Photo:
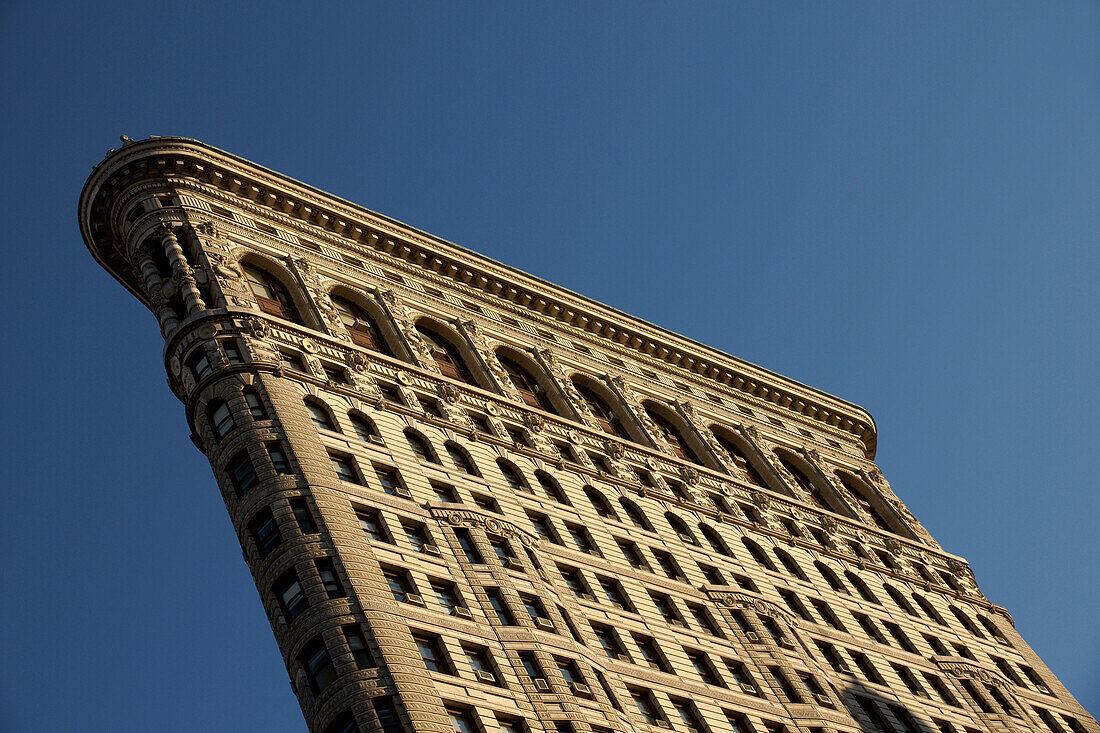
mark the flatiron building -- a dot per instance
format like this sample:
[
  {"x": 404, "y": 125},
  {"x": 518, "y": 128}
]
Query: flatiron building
[{"x": 472, "y": 500}]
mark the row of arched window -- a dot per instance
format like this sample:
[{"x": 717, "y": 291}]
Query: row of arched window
[{"x": 538, "y": 390}]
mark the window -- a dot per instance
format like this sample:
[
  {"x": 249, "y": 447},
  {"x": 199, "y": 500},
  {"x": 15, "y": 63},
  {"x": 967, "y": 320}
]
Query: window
[
  {"x": 534, "y": 671},
  {"x": 221, "y": 419},
  {"x": 900, "y": 637},
  {"x": 255, "y": 405},
  {"x": 648, "y": 647},
  {"x": 611, "y": 698},
  {"x": 606, "y": 418},
  {"x": 930, "y": 610},
  {"x": 320, "y": 417},
  {"x": 199, "y": 363},
  {"x": 745, "y": 582},
  {"x": 530, "y": 391},
  {"x": 667, "y": 608},
  {"x": 647, "y": 705},
  {"x": 288, "y": 591},
  {"x": 570, "y": 671},
  {"x": 543, "y": 527},
  {"x": 830, "y": 577},
  {"x": 537, "y": 612},
  {"x": 869, "y": 672},
  {"x": 242, "y": 474},
  {"x": 345, "y": 723},
  {"x": 551, "y": 487},
  {"x": 741, "y": 675},
  {"x": 632, "y": 554},
  {"x": 446, "y": 355},
  {"x": 600, "y": 503},
  {"x": 344, "y": 465},
  {"x": 446, "y": 593},
  {"x": 482, "y": 665},
  {"x": 514, "y": 478},
  {"x": 714, "y": 575},
  {"x": 635, "y": 515},
  {"x": 869, "y": 628},
  {"x": 703, "y": 667},
  {"x": 738, "y": 722},
  {"x": 704, "y": 619},
  {"x": 689, "y": 714},
  {"x": 791, "y": 566},
  {"x": 748, "y": 473},
  {"x": 390, "y": 481},
  {"x": 861, "y": 587},
  {"x": 872, "y": 713},
  {"x": 774, "y": 631},
  {"x": 832, "y": 656},
  {"x": 581, "y": 539},
  {"x": 809, "y": 488},
  {"x": 317, "y": 664},
  {"x": 500, "y": 608},
  {"x": 361, "y": 327},
  {"x": 826, "y": 613},
  {"x": 758, "y": 554},
  {"x": 466, "y": 544},
  {"x": 431, "y": 651},
  {"x": 487, "y": 503},
  {"x": 417, "y": 535},
  {"x": 357, "y": 643},
  {"x": 1007, "y": 670},
  {"x": 668, "y": 564},
  {"x": 420, "y": 447},
  {"x": 504, "y": 552},
  {"x": 431, "y": 407},
  {"x": 610, "y": 642},
  {"x": 271, "y": 295},
  {"x": 966, "y": 622},
  {"x": 364, "y": 429},
  {"x": 680, "y": 528},
  {"x": 715, "y": 540},
  {"x": 574, "y": 582},
  {"x": 866, "y": 499},
  {"x": 445, "y": 492},
  {"x": 302, "y": 514},
  {"x": 278, "y": 458},
  {"x": 372, "y": 525},
  {"x": 401, "y": 585},
  {"x": 936, "y": 644},
  {"x": 672, "y": 436},
  {"x": 613, "y": 591},
  {"x": 786, "y": 689},
  {"x": 265, "y": 531},
  {"x": 511, "y": 725},
  {"x": 909, "y": 680}
]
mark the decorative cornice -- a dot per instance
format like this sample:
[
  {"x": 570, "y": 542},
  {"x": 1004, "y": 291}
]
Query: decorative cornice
[{"x": 362, "y": 232}]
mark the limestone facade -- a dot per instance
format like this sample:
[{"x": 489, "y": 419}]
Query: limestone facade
[{"x": 472, "y": 500}]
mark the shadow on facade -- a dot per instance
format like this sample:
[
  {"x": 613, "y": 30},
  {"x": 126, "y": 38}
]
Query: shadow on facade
[{"x": 877, "y": 713}]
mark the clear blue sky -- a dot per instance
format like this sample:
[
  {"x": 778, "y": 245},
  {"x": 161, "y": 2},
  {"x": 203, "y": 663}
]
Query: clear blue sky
[{"x": 894, "y": 202}]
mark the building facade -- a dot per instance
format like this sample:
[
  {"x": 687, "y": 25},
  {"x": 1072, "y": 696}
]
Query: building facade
[{"x": 474, "y": 501}]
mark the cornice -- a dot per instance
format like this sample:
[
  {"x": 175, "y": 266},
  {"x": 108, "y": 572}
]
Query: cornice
[{"x": 361, "y": 231}]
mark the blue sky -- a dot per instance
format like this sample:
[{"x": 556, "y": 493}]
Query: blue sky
[{"x": 893, "y": 202}]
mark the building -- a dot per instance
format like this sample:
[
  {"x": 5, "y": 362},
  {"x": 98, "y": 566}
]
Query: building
[{"x": 472, "y": 500}]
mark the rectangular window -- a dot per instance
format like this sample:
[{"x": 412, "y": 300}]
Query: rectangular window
[
  {"x": 742, "y": 677},
  {"x": 610, "y": 642},
  {"x": 292, "y": 600},
  {"x": 689, "y": 715},
  {"x": 390, "y": 481},
  {"x": 331, "y": 581},
  {"x": 784, "y": 685},
  {"x": 704, "y": 619},
  {"x": 431, "y": 651},
  {"x": 400, "y": 585},
  {"x": 613, "y": 591},
  {"x": 703, "y": 667},
  {"x": 446, "y": 593},
  {"x": 466, "y": 544},
  {"x": 632, "y": 554},
  {"x": 242, "y": 474},
  {"x": 648, "y": 647},
  {"x": 581, "y": 539},
  {"x": 360, "y": 652},
  {"x": 500, "y": 607},
  {"x": 265, "y": 532},
  {"x": 537, "y": 612},
  {"x": 388, "y": 719},
  {"x": 668, "y": 564},
  {"x": 317, "y": 664},
  {"x": 543, "y": 527},
  {"x": 303, "y": 516},
  {"x": 417, "y": 534},
  {"x": 445, "y": 492},
  {"x": 278, "y": 458},
  {"x": 372, "y": 525},
  {"x": 534, "y": 671},
  {"x": 344, "y": 466},
  {"x": 647, "y": 706},
  {"x": 482, "y": 665}
]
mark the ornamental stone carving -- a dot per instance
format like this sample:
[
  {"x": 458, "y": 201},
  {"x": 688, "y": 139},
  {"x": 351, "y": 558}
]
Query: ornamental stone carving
[
  {"x": 258, "y": 327},
  {"x": 535, "y": 423},
  {"x": 448, "y": 392},
  {"x": 735, "y": 600},
  {"x": 615, "y": 450},
  {"x": 491, "y": 525}
]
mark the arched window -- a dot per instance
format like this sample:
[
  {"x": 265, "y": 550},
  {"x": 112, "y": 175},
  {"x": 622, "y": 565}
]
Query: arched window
[
  {"x": 530, "y": 391},
  {"x": 636, "y": 516},
  {"x": 758, "y": 554},
  {"x": 748, "y": 471},
  {"x": 995, "y": 632},
  {"x": 221, "y": 419},
  {"x": 924, "y": 572},
  {"x": 600, "y": 409},
  {"x": 804, "y": 482},
  {"x": 600, "y": 503},
  {"x": 551, "y": 487},
  {"x": 255, "y": 404},
  {"x": 461, "y": 458},
  {"x": 361, "y": 327},
  {"x": 791, "y": 566},
  {"x": 967, "y": 623},
  {"x": 899, "y": 599},
  {"x": 951, "y": 581},
  {"x": 446, "y": 355},
  {"x": 929, "y": 609},
  {"x": 680, "y": 528},
  {"x": 420, "y": 447},
  {"x": 830, "y": 577},
  {"x": 320, "y": 417},
  {"x": 672, "y": 436},
  {"x": 861, "y": 587},
  {"x": 863, "y": 495},
  {"x": 514, "y": 478},
  {"x": 271, "y": 295},
  {"x": 715, "y": 540},
  {"x": 364, "y": 428}
]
